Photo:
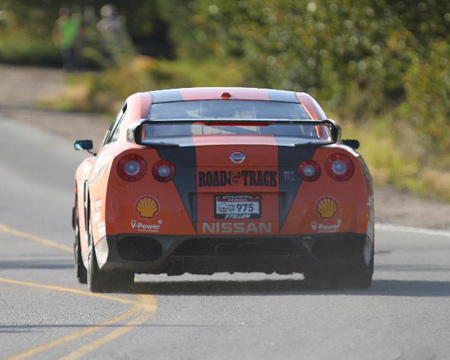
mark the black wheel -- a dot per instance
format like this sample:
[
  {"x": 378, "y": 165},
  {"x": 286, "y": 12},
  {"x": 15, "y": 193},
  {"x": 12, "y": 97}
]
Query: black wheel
[
  {"x": 95, "y": 281},
  {"x": 80, "y": 269},
  {"x": 361, "y": 279},
  {"x": 341, "y": 279},
  {"x": 102, "y": 281}
]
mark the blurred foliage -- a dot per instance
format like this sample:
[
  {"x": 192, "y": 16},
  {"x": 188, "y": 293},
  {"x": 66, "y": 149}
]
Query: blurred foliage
[
  {"x": 39, "y": 16},
  {"x": 335, "y": 50},
  {"x": 105, "y": 92},
  {"x": 381, "y": 66},
  {"x": 392, "y": 159},
  {"x": 427, "y": 105},
  {"x": 36, "y": 19},
  {"x": 24, "y": 50},
  {"x": 20, "y": 44}
]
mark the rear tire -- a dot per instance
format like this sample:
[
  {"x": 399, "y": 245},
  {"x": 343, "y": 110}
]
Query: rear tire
[
  {"x": 80, "y": 269},
  {"x": 102, "y": 281},
  {"x": 342, "y": 279},
  {"x": 362, "y": 279},
  {"x": 95, "y": 281}
]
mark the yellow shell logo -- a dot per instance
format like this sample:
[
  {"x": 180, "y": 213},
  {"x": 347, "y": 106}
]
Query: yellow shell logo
[
  {"x": 147, "y": 207},
  {"x": 327, "y": 207}
]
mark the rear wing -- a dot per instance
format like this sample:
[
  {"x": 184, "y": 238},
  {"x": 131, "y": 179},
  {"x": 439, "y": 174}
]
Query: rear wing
[{"x": 135, "y": 131}]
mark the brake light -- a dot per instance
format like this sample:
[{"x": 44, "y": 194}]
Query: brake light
[
  {"x": 225, "y": 95},
  {"x": 309, "y": 170},
  {"x": 163, "y": 171},
  {"x": 340, "y": 167},
  {"x": 132, "y": 167}
]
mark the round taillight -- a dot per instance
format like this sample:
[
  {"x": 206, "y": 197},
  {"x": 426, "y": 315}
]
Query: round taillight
[
  {"x": 309, "y": 170},
  {"x": 340, "y": 167},
  {"x": 132, "y": 167},
  {"x": 163, "y": 171}
]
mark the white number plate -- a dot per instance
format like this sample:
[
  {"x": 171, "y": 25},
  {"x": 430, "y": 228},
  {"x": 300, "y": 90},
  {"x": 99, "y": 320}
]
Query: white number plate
[{"x": 237, "y": 207}]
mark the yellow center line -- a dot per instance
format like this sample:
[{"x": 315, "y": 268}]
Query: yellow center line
[
  {"x": 23, "y": 235},
  {"x": 148, "y": 305},
  {"x": 68, "y": 290},
  {"x": 52, "y": 344}
]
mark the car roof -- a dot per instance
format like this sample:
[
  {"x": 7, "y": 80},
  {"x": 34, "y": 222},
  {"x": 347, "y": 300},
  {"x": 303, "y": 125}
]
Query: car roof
[{"x": 217, "y": 93}]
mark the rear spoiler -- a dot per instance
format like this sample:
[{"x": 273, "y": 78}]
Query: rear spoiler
[{"x": 134, "y": 132}]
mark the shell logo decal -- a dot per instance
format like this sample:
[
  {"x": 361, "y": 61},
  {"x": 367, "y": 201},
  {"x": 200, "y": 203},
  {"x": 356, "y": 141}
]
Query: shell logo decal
[
  {"x": 327, "y": 207},
  {"x": 147, "y": 207}
]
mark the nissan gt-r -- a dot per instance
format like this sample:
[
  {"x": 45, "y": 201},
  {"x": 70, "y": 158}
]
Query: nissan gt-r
[{"x": 206, "y": 180}]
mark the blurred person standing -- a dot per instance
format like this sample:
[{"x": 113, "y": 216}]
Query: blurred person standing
[
  {"x": 90, "y": 26},
  {"x": 89, "y": 40},
  {"x": 115, "y": 41},
  {"x": 65, "y": 35}
]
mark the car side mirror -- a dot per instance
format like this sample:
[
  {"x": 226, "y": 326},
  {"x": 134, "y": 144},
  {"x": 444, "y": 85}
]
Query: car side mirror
[
  {"x": 353, "y": 143},
  {"x": 84, "y": 145}
]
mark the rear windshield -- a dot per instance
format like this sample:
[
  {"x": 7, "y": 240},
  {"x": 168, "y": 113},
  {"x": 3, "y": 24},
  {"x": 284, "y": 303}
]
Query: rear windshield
[
  {"x": 286, "y": 130},
  {"x": 227, "y": 109}
]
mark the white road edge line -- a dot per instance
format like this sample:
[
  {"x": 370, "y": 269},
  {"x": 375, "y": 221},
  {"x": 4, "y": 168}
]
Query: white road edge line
[{"x": 411, "y": 230}]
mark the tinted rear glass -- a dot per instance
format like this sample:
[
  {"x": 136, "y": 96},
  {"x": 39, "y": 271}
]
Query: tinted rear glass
[
  {"x": 227, "y": 109},
  {"x": 291, "y": 132}
]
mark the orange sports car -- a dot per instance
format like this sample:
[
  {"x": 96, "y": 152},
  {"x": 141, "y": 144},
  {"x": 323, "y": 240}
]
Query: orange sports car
[{"x": 205, "y": 180}]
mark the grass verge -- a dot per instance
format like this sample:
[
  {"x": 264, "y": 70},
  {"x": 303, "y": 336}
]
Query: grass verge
[{"x": 394, "y": 157}]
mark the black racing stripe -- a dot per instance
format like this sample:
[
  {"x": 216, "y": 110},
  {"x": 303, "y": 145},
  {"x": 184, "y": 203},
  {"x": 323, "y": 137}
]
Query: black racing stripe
[
  {"x": 288, "y": 160},
  {"x": 185, "y": 161},
  {"x": 162, "y": 96},
  {"x": 283, "y": 95}
]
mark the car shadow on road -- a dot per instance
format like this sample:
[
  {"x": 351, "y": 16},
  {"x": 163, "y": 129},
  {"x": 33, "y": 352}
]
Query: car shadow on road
[{"x": 269, "y": 287}]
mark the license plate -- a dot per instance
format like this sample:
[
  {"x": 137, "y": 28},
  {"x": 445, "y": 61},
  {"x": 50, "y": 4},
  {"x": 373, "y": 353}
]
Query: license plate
[{"x": 237, "y": 207}]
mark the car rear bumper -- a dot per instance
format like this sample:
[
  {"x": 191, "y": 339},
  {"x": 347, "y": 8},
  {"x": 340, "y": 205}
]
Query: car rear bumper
[{"x": 175, "y": 255}]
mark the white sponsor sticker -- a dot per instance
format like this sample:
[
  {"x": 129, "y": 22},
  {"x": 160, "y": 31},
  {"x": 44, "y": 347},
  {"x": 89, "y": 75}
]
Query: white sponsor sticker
[
  {"x": 237, "y": 227},
  {"x": 143, "y": 227},
  {"x": 101, "y": 229},
  {"x": 326, "y": 228},
  {"x": 96, "y": 217},
  {"x": 98, "y": 205}
]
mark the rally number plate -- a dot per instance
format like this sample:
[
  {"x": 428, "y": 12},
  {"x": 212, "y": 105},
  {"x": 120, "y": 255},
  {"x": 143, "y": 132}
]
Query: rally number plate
[{"x": 237, "y": 207}]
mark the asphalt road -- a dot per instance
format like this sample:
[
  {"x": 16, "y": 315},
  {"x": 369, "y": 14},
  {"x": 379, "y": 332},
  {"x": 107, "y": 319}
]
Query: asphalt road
[{"x": 46, "y": 314}]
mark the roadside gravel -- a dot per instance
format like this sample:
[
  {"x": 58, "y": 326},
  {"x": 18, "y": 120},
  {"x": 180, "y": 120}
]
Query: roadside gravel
[{"x": 21, "y": 88}]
